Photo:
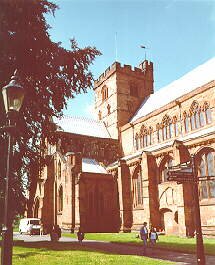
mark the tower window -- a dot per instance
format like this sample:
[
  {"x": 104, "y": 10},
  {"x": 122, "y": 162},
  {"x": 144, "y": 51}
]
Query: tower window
[
  {"x": 100, "y": 115},
  {"x": 108, "y": 108},
  {"x": 104, "y": 93}
]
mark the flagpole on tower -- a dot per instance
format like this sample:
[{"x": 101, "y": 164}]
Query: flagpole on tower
[{"x": 144, "y": 47}]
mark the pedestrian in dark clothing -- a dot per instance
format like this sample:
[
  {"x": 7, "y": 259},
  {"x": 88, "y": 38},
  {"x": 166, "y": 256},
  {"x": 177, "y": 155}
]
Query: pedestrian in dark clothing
[
  {"x": 55, "y": 233},
  {"x": 80, "y": 235},
  {"x": 144, "y": 235}
]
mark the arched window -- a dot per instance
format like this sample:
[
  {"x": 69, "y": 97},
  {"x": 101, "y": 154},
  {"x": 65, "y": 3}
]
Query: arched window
[
  {"x": 202, "y": 117},
  {"x": 150, "y": 135},
  {"x": 100, "y": 115},
  {"x": 108, "y": 109},
  {"x": 163, "y": 170},
  {"x": 143, "y": 137},
  {"x": 141, "y": 140},
  {"x": 59, "y": 169},
  {"x": 137, "y": 141},
  {"x": 175, "y": 126},
  {"x": 158, "y": 132},
  {"x": 195, "y": 115},
  {"x": 207, "y": 168},
  {"x": 186, "y": 122},
  {"x": 137, "y": 188},
  {"x": 60, "y": 199},
  {"x": 166, "y": 127},
  {"x": 104, "y": 93},
  {"x": 208, "y": 114}
]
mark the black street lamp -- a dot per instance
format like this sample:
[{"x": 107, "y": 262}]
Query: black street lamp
[{"x": 13, "y": 95}]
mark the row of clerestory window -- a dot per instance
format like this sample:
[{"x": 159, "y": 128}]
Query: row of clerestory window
[{"x": 195, "y": 118}]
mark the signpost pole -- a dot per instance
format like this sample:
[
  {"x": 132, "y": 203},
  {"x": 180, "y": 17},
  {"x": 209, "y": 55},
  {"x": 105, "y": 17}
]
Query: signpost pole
[{"x": 199, "y": 240}]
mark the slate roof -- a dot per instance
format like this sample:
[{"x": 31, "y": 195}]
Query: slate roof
[
  {"x": 92, "y": 166},
  {"x": 82, "y": 126},
  {"x": 198, "y": 77}
]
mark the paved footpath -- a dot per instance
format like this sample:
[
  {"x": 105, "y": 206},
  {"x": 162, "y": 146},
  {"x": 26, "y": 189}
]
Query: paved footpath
[{"x": 113, "y": 248}]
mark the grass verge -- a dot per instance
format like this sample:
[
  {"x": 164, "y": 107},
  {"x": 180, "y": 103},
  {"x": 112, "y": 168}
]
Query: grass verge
[
  {"x": 174, "y": 243},
  {"x": 31, "y": 256}
]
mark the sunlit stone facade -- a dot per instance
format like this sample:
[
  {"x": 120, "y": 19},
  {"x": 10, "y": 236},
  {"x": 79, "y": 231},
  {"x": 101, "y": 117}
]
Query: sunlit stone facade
[{"x": 148, "y": 132}]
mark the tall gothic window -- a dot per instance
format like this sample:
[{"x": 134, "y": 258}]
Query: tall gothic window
[
  {"x": 175, "y": 126},
  {"x": 144, "y": 136},
  {"x": 186, "y": 122},
  {"x": 163, "y": 170},
  {"x": 208, "y": 114},
  {"x": 100, "y": 115},
  {"x": 60, "y": 199},
  {"x": 141, "y": 140},
  {"x": 166, "y": 128},
  {"x": 195, "y": 115},
  {"x": 150, "y": 135},
  {"x": 108, "y": 109},
  {"x": 207, "y": 168},
  {"x": 59, "y": 169},
  {"x": 202, "y": 117},
  {"x": 137, "y": 141},
  {"x": 104, "y": 93},
  {"x": 137, "y": 189},
  {"x": 158, "y": 132}
]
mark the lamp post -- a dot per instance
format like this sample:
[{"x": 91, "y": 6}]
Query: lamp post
[{"x": 13, "y": 95}]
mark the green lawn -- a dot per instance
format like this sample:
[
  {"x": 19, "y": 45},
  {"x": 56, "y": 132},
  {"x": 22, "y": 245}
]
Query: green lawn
[
  {"x": 175, "y": 243},
  {"x": 31, "y": 256}
]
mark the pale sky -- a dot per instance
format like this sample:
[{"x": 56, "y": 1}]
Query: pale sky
[{"x": 180, "y": 35}]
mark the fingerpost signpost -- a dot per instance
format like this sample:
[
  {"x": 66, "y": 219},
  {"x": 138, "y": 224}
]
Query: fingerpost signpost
[{"x": 186, "y": 173}]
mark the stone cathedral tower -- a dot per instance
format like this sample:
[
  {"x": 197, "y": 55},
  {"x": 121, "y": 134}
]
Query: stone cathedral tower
[{"x": 119, "y": 92}]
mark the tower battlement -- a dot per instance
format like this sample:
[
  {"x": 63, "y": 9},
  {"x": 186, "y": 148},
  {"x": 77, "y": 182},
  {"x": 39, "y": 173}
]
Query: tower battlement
[{"x": 144, "y": 69}]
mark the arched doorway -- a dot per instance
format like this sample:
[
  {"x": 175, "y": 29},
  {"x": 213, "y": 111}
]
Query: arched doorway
[{"x": 169, "y": 220}]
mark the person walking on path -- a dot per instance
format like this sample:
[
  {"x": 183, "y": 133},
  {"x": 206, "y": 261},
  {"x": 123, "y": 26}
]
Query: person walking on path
[
  {"x": 80, "y": 235},
  {"x": 144, "y": 236},
  {"x": 55, "y": 233},
  {"x": 153, "y": 236}
]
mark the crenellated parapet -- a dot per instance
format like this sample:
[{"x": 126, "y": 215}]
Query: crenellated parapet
[{"x": 144, "y": 71}]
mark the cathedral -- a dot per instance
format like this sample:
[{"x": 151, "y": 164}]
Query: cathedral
[{"x": 110, "y": 174}]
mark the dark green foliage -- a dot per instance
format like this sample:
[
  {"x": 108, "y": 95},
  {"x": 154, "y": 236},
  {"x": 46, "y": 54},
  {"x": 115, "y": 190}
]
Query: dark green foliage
[{"x": 50, "y": 75}]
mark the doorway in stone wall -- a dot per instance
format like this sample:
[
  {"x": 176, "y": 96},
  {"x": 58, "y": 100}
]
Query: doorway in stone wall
[{"x": 169, "y": 221}]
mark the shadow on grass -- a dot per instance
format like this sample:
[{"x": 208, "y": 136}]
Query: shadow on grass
[
  {"x": 27, "y": 254},
  {"x": 102, "y": 247}
]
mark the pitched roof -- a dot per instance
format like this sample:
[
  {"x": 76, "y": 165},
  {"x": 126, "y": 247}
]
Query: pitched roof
[
  {"x": 92, "y": 166},
  {"x": 198, "y": 77},
  {"x": 82, "y": 126}
]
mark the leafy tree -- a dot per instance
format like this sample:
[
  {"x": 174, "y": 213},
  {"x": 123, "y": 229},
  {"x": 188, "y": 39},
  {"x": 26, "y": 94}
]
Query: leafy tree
[{"x": 50, "y": 75}]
